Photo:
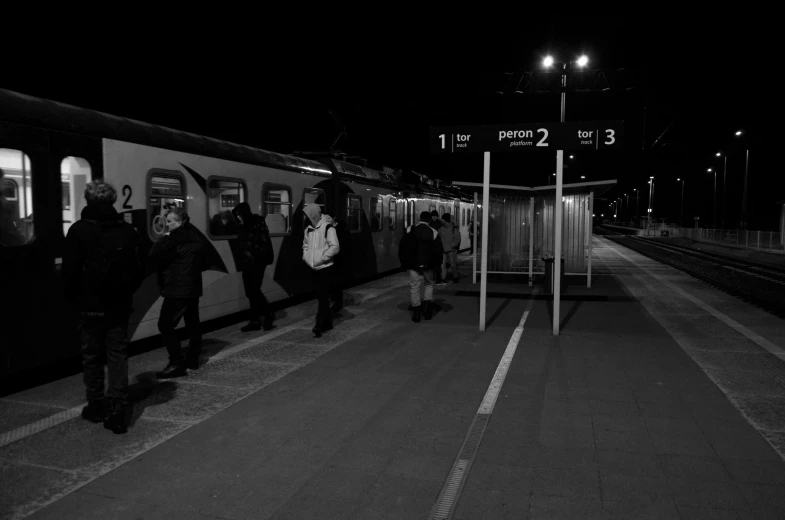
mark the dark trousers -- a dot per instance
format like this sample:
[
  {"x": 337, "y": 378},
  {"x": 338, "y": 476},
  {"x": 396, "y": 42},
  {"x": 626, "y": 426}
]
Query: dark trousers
[
  {"x": 252, "y": 283},
  {"x": 322, "y": 283},
  {"x": 105, "y": 338},
  {"x": 172, "y": 311}
]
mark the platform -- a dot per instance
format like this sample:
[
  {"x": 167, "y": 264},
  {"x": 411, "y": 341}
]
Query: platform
[{"x": 662, "y": 398}]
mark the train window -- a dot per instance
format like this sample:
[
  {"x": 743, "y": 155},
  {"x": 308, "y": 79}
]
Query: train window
[
  {"x": 223, "y": 195},
  {"x": 442, "y": 211},
  {"x": 432, "y": 208},
  {"x": 354, "y": 212},
  {"x": 392, "y": 214},
  {"x": 314, "y": 196},
  {"x": 375, "y": 206},
  {"x": 277, "y": 208},
  {"x": 75, "y": 173},
  {"x": 16, "y": 205},
  {"x": 166, "y": 190}
]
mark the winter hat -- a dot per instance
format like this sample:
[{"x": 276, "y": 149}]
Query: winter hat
[{"x": 314, "y": 213}]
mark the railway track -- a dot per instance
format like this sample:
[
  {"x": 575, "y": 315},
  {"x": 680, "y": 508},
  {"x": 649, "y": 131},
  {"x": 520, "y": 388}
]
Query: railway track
[{"x": 761, "y": 285}]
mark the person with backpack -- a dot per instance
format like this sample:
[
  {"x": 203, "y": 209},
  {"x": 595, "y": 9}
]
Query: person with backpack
[
  {"x": 255, "y": 252},
  {"x": 450, "y": 236},
  {"x": 320, "y": 245},
  {"x": 180, "y": 256},
  {"x": 342, "y": 262},
  {"x": 101, "y": 271},
  {"x": 420, "y": 253}
]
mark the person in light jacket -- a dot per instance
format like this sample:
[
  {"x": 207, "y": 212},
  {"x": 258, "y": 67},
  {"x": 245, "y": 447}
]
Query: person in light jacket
[
  {"x": 450, "y": 235},
  {"x": 320, "y": 245}
]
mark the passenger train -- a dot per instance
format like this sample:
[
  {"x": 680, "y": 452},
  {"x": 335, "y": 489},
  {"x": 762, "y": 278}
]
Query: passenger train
[{"x": 50, "y": 150}]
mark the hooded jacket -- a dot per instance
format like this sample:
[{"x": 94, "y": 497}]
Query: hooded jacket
[
  {"x": 181, "y": 259},
  {"x": 253, "y": 236},
  {"x": 429, "y": 247},
  {"x": 319, "y": 247},
  {"x": 450, "y": 236},
  {"x": 82, "y": 236}
]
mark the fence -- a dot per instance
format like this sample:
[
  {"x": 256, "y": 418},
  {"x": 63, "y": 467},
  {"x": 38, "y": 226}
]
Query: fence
[{"x": 747, "y": 239}]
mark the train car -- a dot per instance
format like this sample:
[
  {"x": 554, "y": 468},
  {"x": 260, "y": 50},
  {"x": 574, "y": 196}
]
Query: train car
[{"x": 50, "y": 150}]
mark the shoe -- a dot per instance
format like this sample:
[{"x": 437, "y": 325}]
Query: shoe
[
  {"x": 440, "y": 283},
  {"x": 416, "y": 314},
  {"x": 253, "y": 325},
  {"x": 268, "y": 322},
  {"x": 117, "y": 420},
  {"x": 192, "y": 363},
  {"x": 336, "y": 308},
  {"x": 317, "y": 332},
  {"x": 96, "y": 410},
  {"x": 428, "y": 314},
  {"x": 172, "y": 371},
  {"x": 455, "y": 280}
]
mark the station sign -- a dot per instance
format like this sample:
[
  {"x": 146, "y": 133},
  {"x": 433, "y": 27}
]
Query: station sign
[{"x": 528, "y": 137}]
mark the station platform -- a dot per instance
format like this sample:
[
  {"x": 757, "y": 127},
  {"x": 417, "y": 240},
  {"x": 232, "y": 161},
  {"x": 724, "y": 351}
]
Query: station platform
[{"x": 661, "y": 398}]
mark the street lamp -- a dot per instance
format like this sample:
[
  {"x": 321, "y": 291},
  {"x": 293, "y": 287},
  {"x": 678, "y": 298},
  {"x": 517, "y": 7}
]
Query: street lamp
[
  {"x": 637, "y": 203},
  {"x": 740, "y": 133},
  {"x": 724, "y": 183},
  {"x": 681, "y": 215},
  {"x": 651, "y": 197},
  {"x": 581, "y": 62},
  {"x": 714, "y": 220}
]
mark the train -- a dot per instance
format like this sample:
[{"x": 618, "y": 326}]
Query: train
[{"x": 50, "y": 150}]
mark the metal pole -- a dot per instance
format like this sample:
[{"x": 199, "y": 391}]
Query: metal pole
[
  {"x": 724, "y": 188},
  {"x": 681, "y": 218},
  {"x": 744, "y": 197},
  {"x": 590, "y": 236},
  {"x": 486, "y": 188},
  {"x": 474, "y": 242},
  {"x": 557, "y": 210},
  {"x": 531, "y": 241},
  {"x": 715, "y": 199}
]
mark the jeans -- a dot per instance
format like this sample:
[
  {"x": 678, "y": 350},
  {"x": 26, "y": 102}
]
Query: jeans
[
  {"x": 252, "y": 283},
  {"x": 172, "y": 311},
  {"x": 105, "y": 338},
  {"x": 450, "y": 257},
  {"x": 322, "y": 284},
  {"x": 415, "y": 280}
]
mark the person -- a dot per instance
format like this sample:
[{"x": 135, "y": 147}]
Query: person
[
  {"x": 471, "y": 234},
  {"x": 342, "y": 262},
  {"x": 255, "y": 253},
  {"x": 9, "y": 226},
  {"x": 436, "y": 223},
  {"x": 420, "y": 252},
  {"x": 450, "y": 236},
  {"x": 320, "y": 245},
  {"x": 180, "y": 257},
  {"x": 101, "y": 271}
]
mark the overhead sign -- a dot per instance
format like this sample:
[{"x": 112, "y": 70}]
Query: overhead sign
[{"x": 528, "y": 137}]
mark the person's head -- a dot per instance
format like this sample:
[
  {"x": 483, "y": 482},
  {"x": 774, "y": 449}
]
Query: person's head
[
  {"x": 176, "y": 218},
  {"x": 99, "y": 192},
  {"x": 242, "y": 213},
  {"x": 446, "y": 217},
  {"x": 425, "y": 216},
  {"x": 313, "y": 212},
  {"x": 434, "y": 215}
]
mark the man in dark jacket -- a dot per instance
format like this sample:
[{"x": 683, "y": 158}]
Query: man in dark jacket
[
  {"x": 254, "y": 254},
  {"x": 101, "y": 271},
  {"x": 180, "y": 255},
  {"x": 437, "y": 223},
  {"x": 422, "y": 256}
]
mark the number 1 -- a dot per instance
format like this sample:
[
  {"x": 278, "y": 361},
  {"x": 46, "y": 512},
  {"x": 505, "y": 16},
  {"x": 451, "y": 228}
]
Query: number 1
[{"x": 442, "y": 138}]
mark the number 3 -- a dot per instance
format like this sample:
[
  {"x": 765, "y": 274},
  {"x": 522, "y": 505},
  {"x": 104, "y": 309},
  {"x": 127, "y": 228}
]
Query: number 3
[{"x": 610, "y": 135}]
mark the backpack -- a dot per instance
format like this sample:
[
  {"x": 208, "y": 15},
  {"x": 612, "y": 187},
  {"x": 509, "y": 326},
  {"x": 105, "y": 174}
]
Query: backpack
[
  {"x": 261, "y": 247},
  {"x": 407, "y": 250},
  {"x": 111, "y": 268}
]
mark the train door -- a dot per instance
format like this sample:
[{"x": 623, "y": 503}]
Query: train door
[{"x": 27, "y": 228}]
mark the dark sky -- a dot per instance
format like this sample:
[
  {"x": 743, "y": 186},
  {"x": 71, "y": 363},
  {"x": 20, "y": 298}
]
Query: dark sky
[{"x": 271, "y": 86}]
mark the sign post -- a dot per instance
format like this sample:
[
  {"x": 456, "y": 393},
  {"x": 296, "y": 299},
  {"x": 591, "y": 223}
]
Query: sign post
[{"x": 591, "y": 135}]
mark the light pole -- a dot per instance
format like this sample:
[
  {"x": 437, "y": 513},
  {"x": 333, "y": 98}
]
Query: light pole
[
  {"x": 628, "y": 204},
  {"x": 637, "y": 203},
  {"x": 724, "y": 183},
  {"x": 651, "y": 197},
  {"x": 714, "y": 218},
  {"x": 557, "y": 213},
  {"x": 681, "y": 214},
  {"x": 739, "y": 133}
]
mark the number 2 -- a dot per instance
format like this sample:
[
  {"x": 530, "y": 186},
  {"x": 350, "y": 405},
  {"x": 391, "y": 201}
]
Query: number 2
[
  {"x": 128, "y": 189},
  {"x": 544, "y": 137},
  {"x": 610, "y": 135}
]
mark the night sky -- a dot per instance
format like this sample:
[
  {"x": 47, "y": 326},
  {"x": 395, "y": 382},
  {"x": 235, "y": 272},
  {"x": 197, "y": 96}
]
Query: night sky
[{"x": 271, "y": 86}]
